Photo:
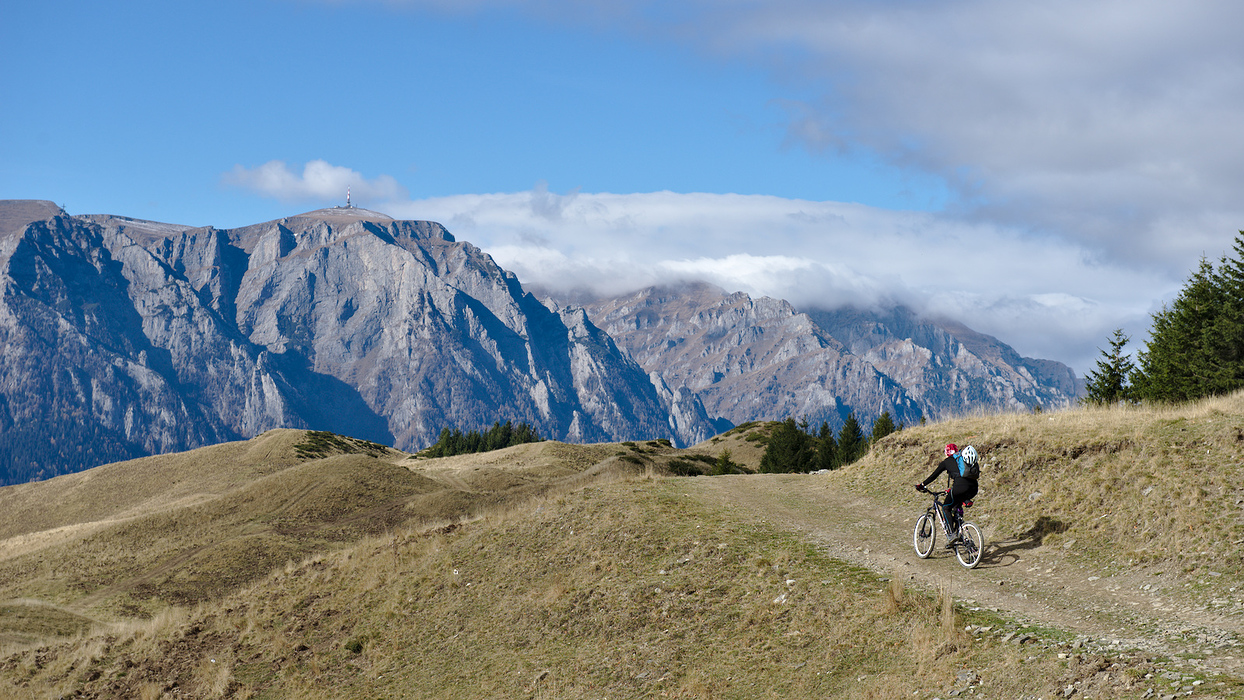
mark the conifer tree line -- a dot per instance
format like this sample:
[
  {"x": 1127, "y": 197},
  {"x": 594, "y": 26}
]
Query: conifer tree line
[
  {"x": 795, "y": 448},
  {"x": 1195, "y": 347},
  {"x": 455, "y": 442}
]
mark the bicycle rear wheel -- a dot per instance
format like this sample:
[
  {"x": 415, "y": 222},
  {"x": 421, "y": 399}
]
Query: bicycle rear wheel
[
  {"x": 969, "y": 549},
  {"x": 924, "y": 536}
]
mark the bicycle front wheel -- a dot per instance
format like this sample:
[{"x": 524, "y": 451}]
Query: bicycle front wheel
[
  {"x": 925, "y": 534},
  {"x": 969, "y": 549}
]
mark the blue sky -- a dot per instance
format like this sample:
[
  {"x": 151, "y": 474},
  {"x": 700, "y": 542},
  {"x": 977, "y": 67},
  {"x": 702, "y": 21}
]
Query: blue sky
[
  {"x": 1042, "y": 172},
  {"x": 140, "y": 107}
]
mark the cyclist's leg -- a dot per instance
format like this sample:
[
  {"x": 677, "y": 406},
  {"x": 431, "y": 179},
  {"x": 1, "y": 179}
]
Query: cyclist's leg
[
  {"x": 962, "y": 491},
  {"x": 946, "y": 510}
]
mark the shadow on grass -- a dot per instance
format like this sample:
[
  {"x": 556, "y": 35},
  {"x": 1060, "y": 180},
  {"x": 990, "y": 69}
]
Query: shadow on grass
[{"x": 1006, "y": 553}]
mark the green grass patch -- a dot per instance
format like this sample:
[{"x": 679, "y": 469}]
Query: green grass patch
[{"x": 320, "y": 443}]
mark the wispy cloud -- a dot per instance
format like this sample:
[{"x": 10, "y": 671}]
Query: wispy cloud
[
  {"x": 1112, "y": 123},
  {"x": 318, "y": 181},
  {"x": 1090, "y": 147},
  {"x": 1047, "y": 298}
]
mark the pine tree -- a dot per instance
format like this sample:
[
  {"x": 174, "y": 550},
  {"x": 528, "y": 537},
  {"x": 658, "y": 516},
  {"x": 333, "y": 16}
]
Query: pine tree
[
  {"x": 851, "y": 442},
  {"x": 1179, "y": 363},
  {"x": 789, "y": 450},
  {"x": 1227, "y": 336},
  {"x": 1196, "y": 345},
  {"x": 826, "y": 448},
  {"x": 725, "y": 465},
  {"x": 1109, "y": 383},
  {"x": 883, "y": 426},
  {"x": 455, "y": 442}
]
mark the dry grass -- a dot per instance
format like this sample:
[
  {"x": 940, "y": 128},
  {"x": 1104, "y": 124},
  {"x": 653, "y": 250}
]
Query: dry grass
[
  {"x": 746, "y": 444},
  {"x": 1127, "y": 486},
  {"x": 213, "y": 675},
  {"x": 138, "y": 487},
  {"x": 186, "y": 528},
  {"x": 623, "y": 589},
  {"x": 559, "y": 571}
]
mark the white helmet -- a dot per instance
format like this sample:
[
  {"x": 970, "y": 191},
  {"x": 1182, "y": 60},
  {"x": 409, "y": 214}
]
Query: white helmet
[{"x": 969, "y": 455}]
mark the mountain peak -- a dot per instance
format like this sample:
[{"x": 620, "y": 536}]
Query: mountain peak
[
  {"x": 343, "y": 215},
  {"x": 16, "y": 213}
]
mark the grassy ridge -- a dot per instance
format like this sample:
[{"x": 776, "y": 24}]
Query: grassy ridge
[
  {"x": 130, "y": 539},
  {"x": 184, "y": 553},
  {"x": 1131, "y": 486},
  {"x": 140, "y": 486},
  {"x": 616, "y": 590},
  {"x": 565, "y": 571}
]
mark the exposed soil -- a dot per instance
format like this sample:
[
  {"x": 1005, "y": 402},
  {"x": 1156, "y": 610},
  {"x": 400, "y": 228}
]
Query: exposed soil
[{"x": 1157, "y": 613}]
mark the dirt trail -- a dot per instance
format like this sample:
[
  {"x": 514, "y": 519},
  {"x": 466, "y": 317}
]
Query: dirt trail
[{"x": 1154, "y": 611}]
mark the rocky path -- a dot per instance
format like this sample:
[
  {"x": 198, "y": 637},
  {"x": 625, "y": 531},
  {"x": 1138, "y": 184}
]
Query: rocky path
[{"x": 1160, "y": 613}]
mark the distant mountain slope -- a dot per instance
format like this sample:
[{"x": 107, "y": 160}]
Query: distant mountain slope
[
  {"x": 122, "y": 338},
  {"x": 947, "y": 367},
  {"x": 760, "y": 359},
  {"x": 15, "y": 214},
  {"x": 749, "y": 359}
]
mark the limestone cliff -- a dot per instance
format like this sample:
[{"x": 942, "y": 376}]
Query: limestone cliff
[
  {"x": 749, "y": 359},
  {"x": 761, "y": 359},
  {"x": 123, "y": 337}
]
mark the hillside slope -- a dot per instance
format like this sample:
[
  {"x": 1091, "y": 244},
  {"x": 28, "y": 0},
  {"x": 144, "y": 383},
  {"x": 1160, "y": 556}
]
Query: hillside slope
[
  {"x": 579, "y": 571},
  {"x": 130, "y": 538},
  {"x": 623, "y": 587}
]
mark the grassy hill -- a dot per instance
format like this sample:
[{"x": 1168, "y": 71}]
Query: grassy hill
[
  {"x": 1155, "y": 487},
  {"x": 299, "y": 565}
]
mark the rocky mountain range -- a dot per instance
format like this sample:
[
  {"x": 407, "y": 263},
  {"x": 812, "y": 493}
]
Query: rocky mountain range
[
  {"x": 946, "y": 367},
  {"x": 121, "y": 338},
  {"x": 749, "y": 359},
  {"x": 761, "y": 359}
]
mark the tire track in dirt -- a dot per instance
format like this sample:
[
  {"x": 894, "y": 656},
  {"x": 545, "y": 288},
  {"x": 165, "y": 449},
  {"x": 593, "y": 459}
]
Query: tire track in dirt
[
  {"x": 84, "y": 604},
  {"x": 1020, "y": 577}
]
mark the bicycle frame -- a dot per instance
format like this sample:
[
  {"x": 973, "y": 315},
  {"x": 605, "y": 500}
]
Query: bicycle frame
[
  {"x": 939, "y": 499},
  {"x": 968, "y": 542}
]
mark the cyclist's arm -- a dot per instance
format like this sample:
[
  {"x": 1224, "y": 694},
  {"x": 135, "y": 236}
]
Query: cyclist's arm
[
  {"x": 944, "y": 465},
  {"x": 941, "y": 467}
]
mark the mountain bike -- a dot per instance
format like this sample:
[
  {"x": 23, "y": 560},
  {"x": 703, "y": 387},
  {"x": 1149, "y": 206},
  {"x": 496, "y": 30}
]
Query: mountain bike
[{"x": 967, "y": 548}]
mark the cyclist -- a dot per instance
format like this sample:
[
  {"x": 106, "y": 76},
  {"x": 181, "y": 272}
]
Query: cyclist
[{"x": 961, "y": 490}]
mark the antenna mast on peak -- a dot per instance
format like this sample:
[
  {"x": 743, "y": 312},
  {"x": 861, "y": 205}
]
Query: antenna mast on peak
[{"x": 348, "y": 205}]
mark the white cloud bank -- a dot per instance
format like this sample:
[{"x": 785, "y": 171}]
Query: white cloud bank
[
  {"x": 1047, "y": 299},
  {"x": 319, "y": 180},
  {"x": 1111, "y": 123}
]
